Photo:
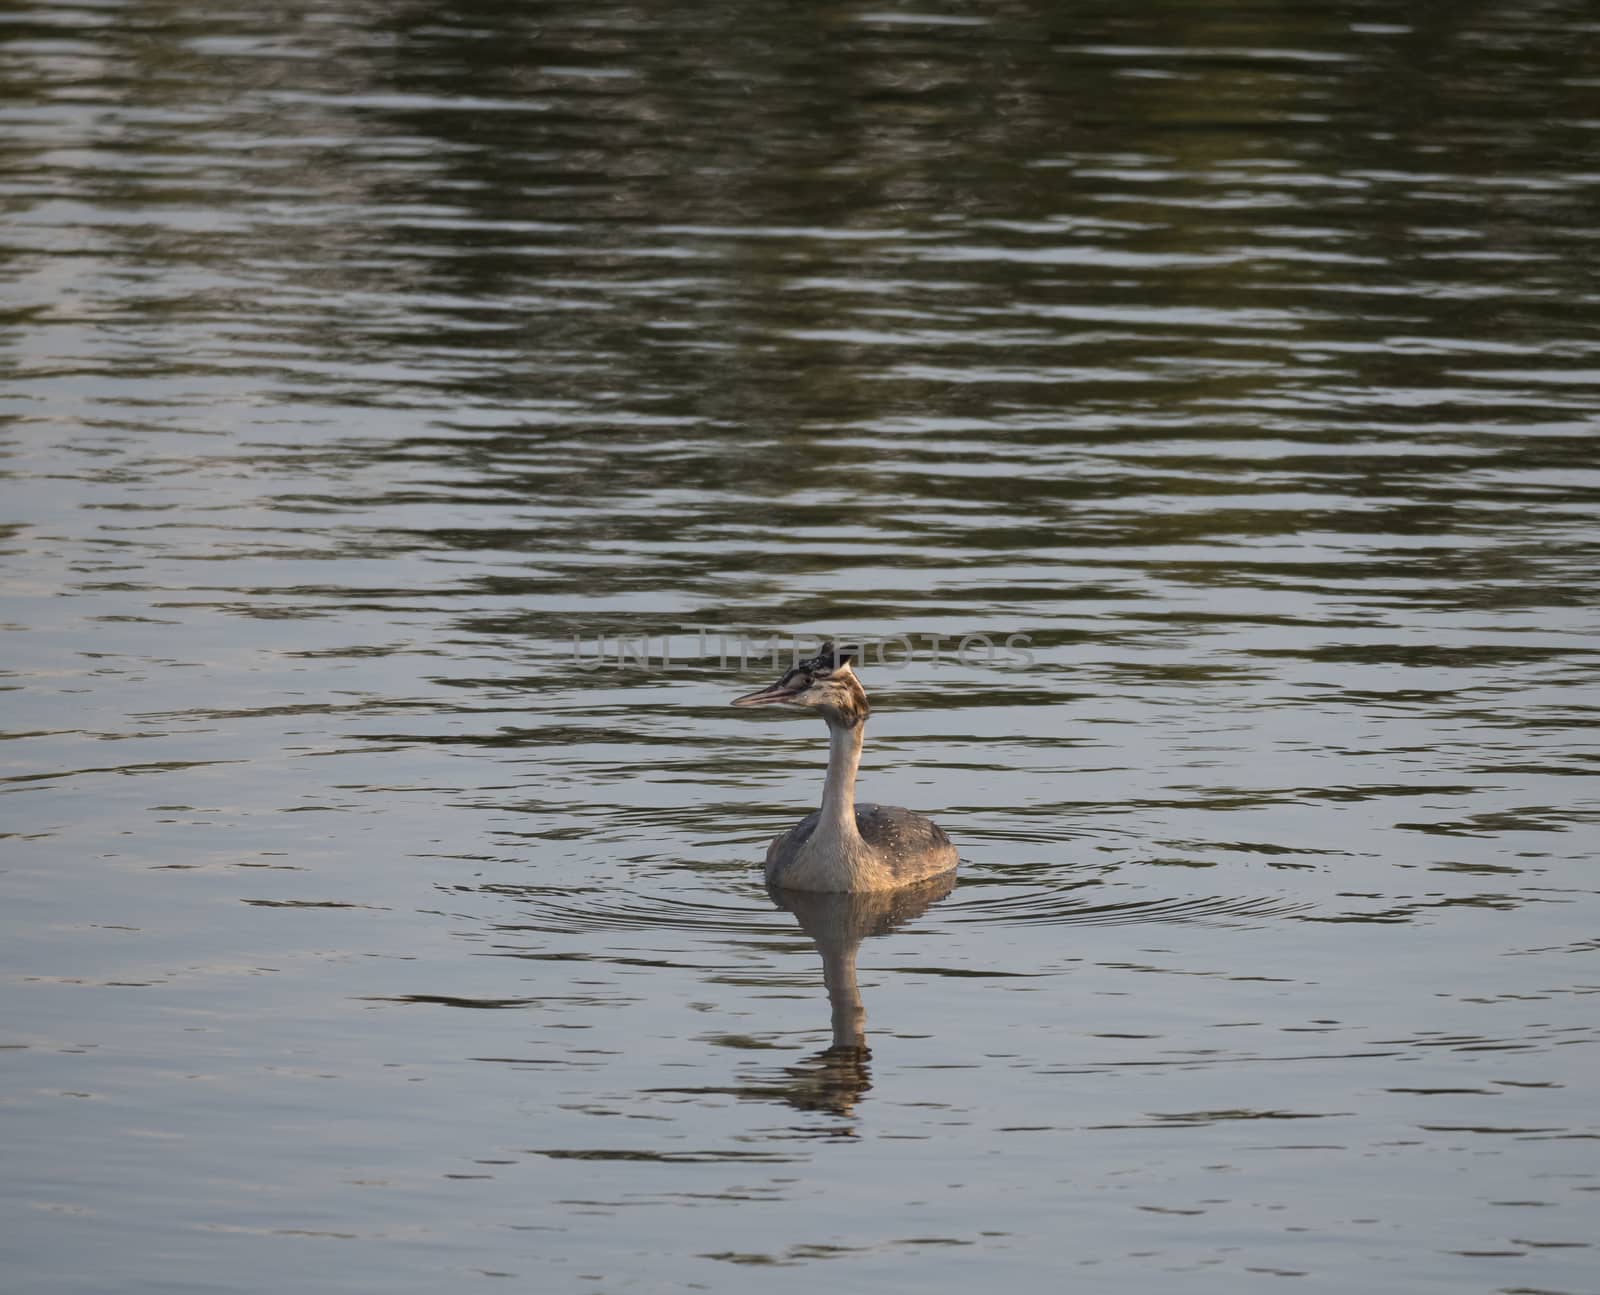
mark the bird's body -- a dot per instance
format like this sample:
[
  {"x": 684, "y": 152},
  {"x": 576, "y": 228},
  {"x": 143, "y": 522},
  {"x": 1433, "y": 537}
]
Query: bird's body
[
  {"x": 900, "y": 848},
  {"x": 843, "y": 846}
]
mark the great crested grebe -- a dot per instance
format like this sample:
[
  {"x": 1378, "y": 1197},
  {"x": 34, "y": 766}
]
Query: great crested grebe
[{"x": 844, "y": 846}]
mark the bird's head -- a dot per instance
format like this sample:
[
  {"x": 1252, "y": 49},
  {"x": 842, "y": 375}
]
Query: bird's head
[{"x": 825, "y": 683}]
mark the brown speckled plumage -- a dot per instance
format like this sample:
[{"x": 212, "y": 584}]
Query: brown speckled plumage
[{"x": 904, "y": 839}]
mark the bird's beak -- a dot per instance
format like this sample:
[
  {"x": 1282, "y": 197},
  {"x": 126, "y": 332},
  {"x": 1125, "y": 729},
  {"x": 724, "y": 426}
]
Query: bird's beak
[{"x": 778, "y": 692}]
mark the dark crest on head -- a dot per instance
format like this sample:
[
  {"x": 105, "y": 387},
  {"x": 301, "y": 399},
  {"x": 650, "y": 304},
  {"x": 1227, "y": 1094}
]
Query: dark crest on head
[
  {"x": 829, "y": 658},
  {"x": 825, "y": 681}
]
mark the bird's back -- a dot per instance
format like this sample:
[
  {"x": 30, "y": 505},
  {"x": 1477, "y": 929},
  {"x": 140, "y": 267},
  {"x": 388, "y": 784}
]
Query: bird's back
[{"x": 906, "y": 846}]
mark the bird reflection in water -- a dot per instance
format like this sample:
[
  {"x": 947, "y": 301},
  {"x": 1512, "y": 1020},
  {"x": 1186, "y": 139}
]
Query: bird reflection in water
[{"x": 836, "y": 1079}]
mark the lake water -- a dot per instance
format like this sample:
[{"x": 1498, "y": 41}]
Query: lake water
[{"x": 365, "y": 365}]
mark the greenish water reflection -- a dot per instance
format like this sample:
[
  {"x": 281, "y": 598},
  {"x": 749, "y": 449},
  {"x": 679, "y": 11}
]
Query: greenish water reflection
[{"x": 359, "y": 358}]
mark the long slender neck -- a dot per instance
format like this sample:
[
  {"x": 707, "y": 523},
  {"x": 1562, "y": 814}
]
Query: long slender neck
[{"x": 839, "y": 791}]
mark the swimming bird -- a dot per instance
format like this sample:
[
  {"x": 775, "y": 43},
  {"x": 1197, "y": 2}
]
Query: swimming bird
[{"x": 844, "y": 846}]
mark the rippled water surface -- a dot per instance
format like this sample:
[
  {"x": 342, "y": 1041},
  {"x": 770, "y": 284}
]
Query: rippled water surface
[{"x": 361, "y": 359}]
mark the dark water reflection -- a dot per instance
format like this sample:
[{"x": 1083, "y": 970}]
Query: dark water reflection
[
  {"x": 359, "y": 356},
  {"x": 838, "y": 1077}
]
